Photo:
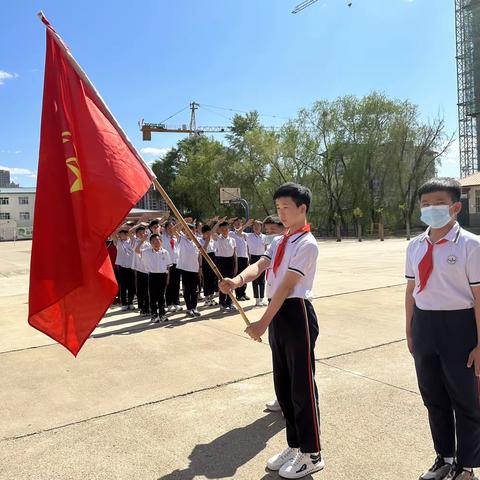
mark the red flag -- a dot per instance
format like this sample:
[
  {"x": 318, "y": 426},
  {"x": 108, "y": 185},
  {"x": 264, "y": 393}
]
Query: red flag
[{"x": 89, "y": 177}]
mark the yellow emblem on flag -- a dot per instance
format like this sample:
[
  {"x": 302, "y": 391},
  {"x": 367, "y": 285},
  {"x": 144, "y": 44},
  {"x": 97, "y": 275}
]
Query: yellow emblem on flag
[{"x": 72, "y": 164}]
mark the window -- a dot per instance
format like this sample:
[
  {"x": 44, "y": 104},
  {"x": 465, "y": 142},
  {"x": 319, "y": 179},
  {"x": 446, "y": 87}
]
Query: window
[
  {"x": 23, "y": 200},
  {"x": 3, "y": 200},
  {"x": 4, "y": 216},
  {"x": 24, "y": 215},
  {"x": 477, "y": 201}
]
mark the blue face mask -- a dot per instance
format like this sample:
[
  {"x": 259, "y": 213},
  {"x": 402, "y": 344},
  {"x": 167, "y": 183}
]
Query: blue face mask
[{"x": 436, "y": 216}]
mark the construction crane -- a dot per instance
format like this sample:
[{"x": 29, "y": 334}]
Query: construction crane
[
  {"x": 307, "y": 3},
  {"x": 191, "y": 129}
]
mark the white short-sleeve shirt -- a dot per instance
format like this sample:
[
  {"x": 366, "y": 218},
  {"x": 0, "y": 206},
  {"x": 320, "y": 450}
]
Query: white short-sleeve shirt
[
  {"x": 224, "y": 247},
  {"x": 166, "y": 244},
  {"x": 255, "y": 243},
  {"x": 187, "y": 255},
  {"x": 210, "y": 247},
  {"x": 156, "y": 261},
  {"x": 124, "y": 253},
  {"x": 300, "y": 257},
  {"x": 456, "y": 268},
  {"x": 137, "y": 261},
  {"x": 240, "y": 243}
]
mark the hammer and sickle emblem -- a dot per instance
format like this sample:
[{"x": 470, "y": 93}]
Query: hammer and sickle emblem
[{"x": 73, "y": 166}]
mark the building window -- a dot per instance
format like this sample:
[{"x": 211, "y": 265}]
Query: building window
[
  {"x": 477, "y": 201},
  {"x": 24, "y": 215},
  {"x": 3, "y": 200},
  {"x": 4, "y": 216},
  {"x": 23, "y": 200}
]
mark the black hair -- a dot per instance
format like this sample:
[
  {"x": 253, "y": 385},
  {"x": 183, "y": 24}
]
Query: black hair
[
  {"x": 153, "y": 223},
  {"x": 298, "y": 193},
  {"x": 449, "y": 185},
  {"x": 140, "y": 228},
  {"x": 155, "y": 235},
  {"x": 123, "y": 231},
  {"x": 206, "y": 228},
  {"x": 130, "y": 223},
  {"x": 272, "y": 220},
  {"x": 223, "y": 224}
]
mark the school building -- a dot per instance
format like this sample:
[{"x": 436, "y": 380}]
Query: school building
[
  {"x": 470, "y": 215},
  {"x": 16, "y": 212}
]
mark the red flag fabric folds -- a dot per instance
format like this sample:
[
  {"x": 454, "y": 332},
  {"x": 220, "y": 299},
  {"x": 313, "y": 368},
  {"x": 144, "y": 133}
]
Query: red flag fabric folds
[{"x": 88, "y": 180}]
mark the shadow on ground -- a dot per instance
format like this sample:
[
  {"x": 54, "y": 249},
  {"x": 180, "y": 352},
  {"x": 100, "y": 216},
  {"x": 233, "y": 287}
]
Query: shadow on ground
[{"x": 223, "y": 456}]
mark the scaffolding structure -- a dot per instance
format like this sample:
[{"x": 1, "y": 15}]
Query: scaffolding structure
[{"x": 467, "y": 25}]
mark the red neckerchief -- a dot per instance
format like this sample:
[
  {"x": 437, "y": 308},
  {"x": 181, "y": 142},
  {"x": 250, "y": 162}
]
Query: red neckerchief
[
  {"x": 281, "y": 247},
  {"x": 425, "y": 266}
]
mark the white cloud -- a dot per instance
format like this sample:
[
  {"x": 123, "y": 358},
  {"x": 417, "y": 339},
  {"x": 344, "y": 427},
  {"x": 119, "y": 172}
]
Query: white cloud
[
  {"x": 153, "y": 151},
  {"x": 11, "y": 152},
  {"x": 19, "y": 171},
  {"x": 6, "y": 76}
]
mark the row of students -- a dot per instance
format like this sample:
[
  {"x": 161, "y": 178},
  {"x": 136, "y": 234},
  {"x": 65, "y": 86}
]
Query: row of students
[{"x": 187, "y": 265}]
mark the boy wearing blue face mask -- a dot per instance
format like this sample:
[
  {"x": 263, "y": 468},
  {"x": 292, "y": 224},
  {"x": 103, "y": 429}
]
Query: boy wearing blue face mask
[{"x": 442, "y": 306}]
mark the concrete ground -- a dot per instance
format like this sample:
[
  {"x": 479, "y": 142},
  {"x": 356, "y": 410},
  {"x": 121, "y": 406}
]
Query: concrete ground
[{"x": 185, "y": 400}]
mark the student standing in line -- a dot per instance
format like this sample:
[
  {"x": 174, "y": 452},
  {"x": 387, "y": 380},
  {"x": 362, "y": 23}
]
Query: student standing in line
[
  {"x": 293, "y": 330},
  {"x": 157, "y": 262},
  {"x": 225, "y": 253},
  {"x": 208, "y": 274},
  {"x": 242, "y": 255},
  {"x": 256, "y": 248},
  {"x": 189, "y": 265},
  {"x": 442, "y": 306},
  {"x": 124, "y": 262},
  {"x": 141, "y": 273},
  {"x": 170, "y": 243}
]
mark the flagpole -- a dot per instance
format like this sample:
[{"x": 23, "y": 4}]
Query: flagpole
[{"x": 106, "y": 111}]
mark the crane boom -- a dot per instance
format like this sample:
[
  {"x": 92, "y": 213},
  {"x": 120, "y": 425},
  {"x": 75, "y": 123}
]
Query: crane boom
[{"x": 303, "y": 5}]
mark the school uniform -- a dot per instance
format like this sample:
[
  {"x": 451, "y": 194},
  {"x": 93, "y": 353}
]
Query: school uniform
[
  {"x": 141, "y": 275},
  {"x": 209, "y": 277},
  {"x": 242, "y": 258},
  {"x": 224, "y": 253},
  {"x": 172, "y": 295},
  {"x": 189, "y": 266},
  {"x": 157, "y": 263},
  {"x": 256, "y": 248},
  {"x": 125, "y": 273},
  {"x": 112, "y": 253},
  {"x": 444, "y": 333},
  {"x": 292, "y": 335}
]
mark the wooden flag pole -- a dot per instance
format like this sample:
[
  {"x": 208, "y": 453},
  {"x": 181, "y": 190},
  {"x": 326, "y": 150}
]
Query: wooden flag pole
[{"x": 108, "y": 114}]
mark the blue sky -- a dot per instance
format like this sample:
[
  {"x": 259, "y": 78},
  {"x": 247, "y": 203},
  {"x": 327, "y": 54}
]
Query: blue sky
[{"x": 150, "y": 58}]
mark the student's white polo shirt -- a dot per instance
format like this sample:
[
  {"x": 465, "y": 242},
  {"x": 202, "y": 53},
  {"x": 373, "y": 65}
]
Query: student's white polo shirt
[
  {"x": 137, "y": 261},
  {"x": 210, "y": 247},
  {"x": 240, "y": 243},
  {"x": 256, "y": 243},
  {"x": 156, "y": 261},
  {"x": 124, "y": 253},
  {"x": 224, "y": 247},
  {"x": 187, "y": 255},
  {"x": 300, "y": 257},
  {"x": 173, "y": 252},
  {"x": 456, "y": 268}
]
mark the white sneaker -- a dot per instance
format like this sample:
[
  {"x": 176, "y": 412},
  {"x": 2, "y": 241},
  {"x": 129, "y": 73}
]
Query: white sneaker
[
  {"x": 178, "y": 308},
  {"x": 258, "y": 302},
  {"x": 264, "y": 302},
  {"x": 124, "y": 308},
  {"x": 277, "y": 461},
  {"x": 163, "y": 318},
  {"x": 172, "y": 308},
  {"x": 273, "y": 406},
  {"x": 303, "y": 464}
]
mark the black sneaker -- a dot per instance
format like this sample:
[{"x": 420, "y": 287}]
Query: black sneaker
[{"x": 438, "y": 471}]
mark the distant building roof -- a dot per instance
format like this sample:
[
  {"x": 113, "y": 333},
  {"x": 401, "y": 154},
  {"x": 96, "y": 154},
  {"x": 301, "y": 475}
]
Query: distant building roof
[
  {"x": 471, "y": 180},
  {"x": 9, "y": 191}
]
